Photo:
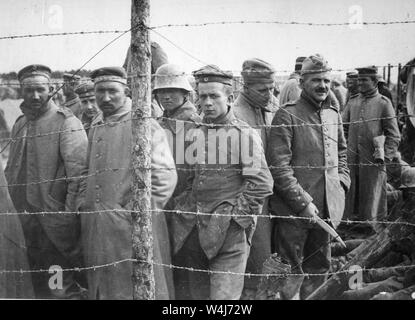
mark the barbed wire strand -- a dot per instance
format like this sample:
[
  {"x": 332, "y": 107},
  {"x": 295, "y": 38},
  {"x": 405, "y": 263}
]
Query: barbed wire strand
[
  {"x": 203, "y": 24},
  {"x": 198, "y": 213},
  {"x": 211, "y": 125},
  {"x": 284, "y": 109},
  {"x": 171, "y": 266}
]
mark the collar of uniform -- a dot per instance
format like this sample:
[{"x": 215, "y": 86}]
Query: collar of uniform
[
  {"x": 224, "y": 119},
  {"x": 50, "y": 106},
  {"x": 72, "y": 101},
  {"x": 324, "y": 105},
  {"x": 125, "y": 109},
  {"x": 181, "y": 113},
  {"x": 370, "y": 93}
]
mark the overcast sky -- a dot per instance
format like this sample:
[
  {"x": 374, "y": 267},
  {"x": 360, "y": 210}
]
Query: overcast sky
[{"x": 225, "y": 45}]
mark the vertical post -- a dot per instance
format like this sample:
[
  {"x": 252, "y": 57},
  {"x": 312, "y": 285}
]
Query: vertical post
[
  {"x": 143, "y": 272},
  {"x": 398, "y": 90},
  {"x": 389, "y": 74},
  {"x": 384, "y": 72}
]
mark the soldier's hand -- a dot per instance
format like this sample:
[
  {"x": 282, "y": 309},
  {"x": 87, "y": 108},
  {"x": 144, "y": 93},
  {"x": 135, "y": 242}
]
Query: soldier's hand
[{"x": 310, "y": 211}]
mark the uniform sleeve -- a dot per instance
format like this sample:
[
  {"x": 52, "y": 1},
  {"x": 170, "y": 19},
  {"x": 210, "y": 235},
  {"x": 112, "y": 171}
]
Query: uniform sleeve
[
  {"x": 346, "y": 119},
  {"x": 279, "y": 160},
  {"x": 257, "y": 177},
  {"x": 163, "y": 174},
  {"x": 344, "y": 173},
  {"x": 390, "y": 130},
  {"x": 84, "y": 180},
  {"x": 73, "y": 146}
]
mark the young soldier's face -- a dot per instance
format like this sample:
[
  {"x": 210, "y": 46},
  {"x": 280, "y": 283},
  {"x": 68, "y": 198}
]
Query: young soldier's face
[
  {"x": 89, "y": 106},
  {"x": 35, "y": 91},
  {"x": 213, "y": 99},
  {"x": 352, "y": 84},
  {"x": 316, "y": 85},
  {"x": 367, "y": 84},
  {"x": 110, "y": 96},
  {"x": 171, "y": 98}
]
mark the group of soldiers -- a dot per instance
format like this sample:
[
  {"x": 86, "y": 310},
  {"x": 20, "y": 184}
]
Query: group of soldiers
[{"x": 232, "y": 181}]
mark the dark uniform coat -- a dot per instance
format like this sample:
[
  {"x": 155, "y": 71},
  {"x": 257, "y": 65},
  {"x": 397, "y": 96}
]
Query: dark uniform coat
[
  {"x": 309, "y": 162},
  {"x": 106, "y": 237},
  {"x": 12, "y": 250},
  {"x": 371, "y": 197},
  {"x": 307, "y": 158},
  {"x": 46, "y": 159},
  {"x": 258, "y": 119},
  {"x": 228, "y": 183},
  {"x": 177, "y": 124}
]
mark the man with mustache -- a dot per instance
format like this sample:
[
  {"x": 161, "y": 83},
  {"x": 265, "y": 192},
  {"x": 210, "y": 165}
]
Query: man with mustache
[
  {"x": 373, "y": 117},
  {"x": 307, "y": 158},
  {"x": 86, "y": 94},
  {"x": 47, "y": 156},
  {"x": 106, "y": 237},
  {"x": 226, "y": 188},
  {"x": 256, "y": 106}
]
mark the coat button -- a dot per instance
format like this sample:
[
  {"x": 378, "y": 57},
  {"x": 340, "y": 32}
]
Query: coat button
[
  {"x": 97, "y": 200},
  {"x": 97, "y": 187}
]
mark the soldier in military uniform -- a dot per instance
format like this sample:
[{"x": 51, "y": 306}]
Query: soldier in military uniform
[
  {"x": 291, "y": 90},
  {"x": 71, "y": 81},
  {"x": 172, "y": 90},
  {"x": 256, "y": 106},
  {"x": 373, "y": 120},
  {"x": 107, "y": 237},
  {"x": 310, "y": 176},
  {"x": 352, "y": 85},
  {"x": 225, "y": 188},
  {"x": 48, "y": 151},
  {"x": 89, "y": 111}
]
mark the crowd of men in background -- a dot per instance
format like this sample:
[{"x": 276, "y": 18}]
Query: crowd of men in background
[{"x": 315, "y": 149}]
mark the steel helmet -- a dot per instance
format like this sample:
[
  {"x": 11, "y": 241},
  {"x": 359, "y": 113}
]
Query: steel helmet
[{"x": 171, "y": 76}]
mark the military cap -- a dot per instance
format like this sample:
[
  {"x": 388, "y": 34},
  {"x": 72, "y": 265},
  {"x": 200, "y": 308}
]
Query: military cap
[
  {"x": 257, "y": 71},
  {"x": 71, "y": 76},
  {"x": 380, "y": 78},
  {"x": 315, "y": 64},
  {"x": 116, "y": 74},
  {"x": 212, "y": 73},
  {"x": 367, "y": 71},
  {"x": 34, "y": 70},
  {"x": 299, "y": 63},
  {"x": 85, "y": 89},
  {"x": 352, "y": 75}
]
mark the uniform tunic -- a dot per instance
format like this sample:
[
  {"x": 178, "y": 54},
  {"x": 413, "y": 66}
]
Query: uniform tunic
[
  {"x": 367, "y": 197},
  {"x": 106, "y": 236},
  {"x": 228, "y": 184},
  {"x": 258, "y": 119},
  {"x": 308, "y": 164},
  {"x": 46, "y": 157}
]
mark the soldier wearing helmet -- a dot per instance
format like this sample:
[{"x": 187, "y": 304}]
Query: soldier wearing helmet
[{"x": 172, "y": 90}]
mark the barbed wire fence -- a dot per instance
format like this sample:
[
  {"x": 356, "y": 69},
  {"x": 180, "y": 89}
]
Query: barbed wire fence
[{"x": 129, "y": 260}]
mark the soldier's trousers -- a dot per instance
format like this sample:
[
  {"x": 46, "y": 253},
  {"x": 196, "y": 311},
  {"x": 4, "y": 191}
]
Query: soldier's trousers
[
  {"x": 42, "y": 254},
  {"x": 231, "y": 257},
  {"x": 306, "y": 247}
]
